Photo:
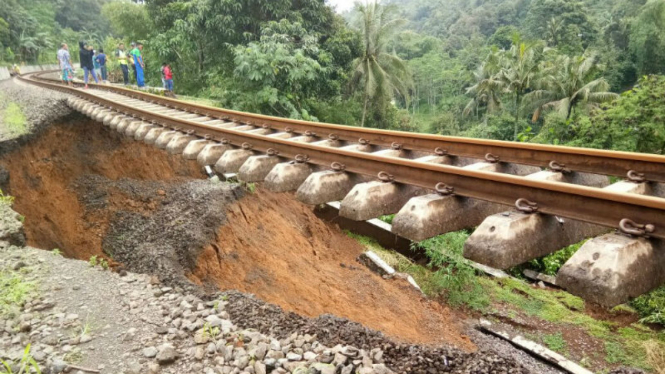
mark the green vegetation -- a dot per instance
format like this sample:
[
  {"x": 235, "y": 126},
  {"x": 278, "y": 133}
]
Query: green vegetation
[
  {"x": 555, "y": 342},
  {"x": 13, "y": 119},
  {"x": 546, "y": 71},
  {"x": 15, "y": 290},
  {"x": 26, "y": 364},
  {"x": 6, "y": 199},
  {"x": 98, "y": 260},
  {"x": 651, "y": 306},
  {"x": 551, "y": 263},
  {"x": 450, "y": 277}
]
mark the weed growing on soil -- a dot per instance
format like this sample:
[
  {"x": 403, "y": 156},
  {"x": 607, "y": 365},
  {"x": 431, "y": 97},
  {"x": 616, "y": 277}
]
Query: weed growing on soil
[
  {"x": 454, "y": 274},
  {"x": 655, "y": 355},
  {"x": 14, "y": 291},
  {"x": 651, "y": 306},
  {"x": 551, "y": 263},
  {"x": 250, "y": 187},
  {"x": 6, "y": 199},
  {"x": 555, "y": 342},
  {"x": 449, "y": 275},
  {"x": 56, "y": 252},
  {"x": 210, "y": 331},
  {"x": 14, "y": 119},
  {"x": 27, "y": 364},
  {"x": 95, "y": 260}
]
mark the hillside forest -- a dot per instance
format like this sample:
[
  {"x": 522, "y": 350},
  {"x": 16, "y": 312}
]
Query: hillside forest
[{"x": 577, "y": 72}]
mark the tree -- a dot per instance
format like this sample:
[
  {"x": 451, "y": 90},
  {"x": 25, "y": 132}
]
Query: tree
[
  {"x": 380, "y": 74},
  {"x": 519, "y": 71},
  {"x": 635, "y": 122},
  {"x": 280, "y": 72},
  {"x": 647, "y": 39},
  {"x": 487, "y": 91},
  {"x": 569, "y": 82}
]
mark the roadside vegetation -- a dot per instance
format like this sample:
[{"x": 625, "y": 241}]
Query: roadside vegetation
[
  {"x": 13, "y": 121},
  {"x": 552, "y": 317},
  {"x": 576, "y": 72}
]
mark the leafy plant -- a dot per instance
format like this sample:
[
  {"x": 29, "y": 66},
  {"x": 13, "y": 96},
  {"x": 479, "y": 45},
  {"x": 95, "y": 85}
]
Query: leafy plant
[
  {"x": 56, "y": 252},
  {"x": 6, "y": 199},
  {"x": 93, "y": 261},
  {"x": 27, "y": 364},
  {"x": 14, "y": 291},
  {"x": 453, "y": 274},
  {"x": 551, "y": 263},
  {"x": 210, "y": 331},
  {"x": 651, "y": 306}
]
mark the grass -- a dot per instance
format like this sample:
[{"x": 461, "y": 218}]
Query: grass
[
  {"x": 26, "y": 364},
  {"x": 448, "y": 276},
  {"x": 555, "y": 342},
  {"x": 14, "y": 292},
  {"x": 14, "y": 120}
]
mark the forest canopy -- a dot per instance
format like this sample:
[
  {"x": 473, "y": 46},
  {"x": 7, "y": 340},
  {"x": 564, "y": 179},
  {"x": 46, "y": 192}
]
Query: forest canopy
[{"x": 579, "y": 72}]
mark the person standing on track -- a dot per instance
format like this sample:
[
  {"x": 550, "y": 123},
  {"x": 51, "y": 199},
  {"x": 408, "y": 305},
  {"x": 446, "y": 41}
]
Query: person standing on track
[
  {"x": 85, "y": 56},
  {"x": 133, "y": 50},
  {"x": 122, "y": 60},
  {"x": 101, "y": 61},
  {"x": 139, "y": 65},
  {"x": 168, "y": 79},
  {"x": 64, "y": 60}
]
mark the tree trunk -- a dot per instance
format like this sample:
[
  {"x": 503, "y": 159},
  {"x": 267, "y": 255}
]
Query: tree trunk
[
  {"x": 517, "y": 114},
  {"x": 362, "y": 122}
]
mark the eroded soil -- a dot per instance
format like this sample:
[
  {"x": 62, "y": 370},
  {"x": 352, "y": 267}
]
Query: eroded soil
[{"x": 89, "y": 191}]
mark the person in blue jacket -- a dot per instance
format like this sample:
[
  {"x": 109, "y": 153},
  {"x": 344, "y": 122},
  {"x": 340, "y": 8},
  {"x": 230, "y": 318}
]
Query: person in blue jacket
[{"x": 100, "y": 59}]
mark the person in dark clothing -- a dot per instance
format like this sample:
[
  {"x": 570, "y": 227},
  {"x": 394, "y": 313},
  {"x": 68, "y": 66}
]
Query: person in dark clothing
[
  {"x": 85, "y": 57},
  {"x": 101, "y": 60}
]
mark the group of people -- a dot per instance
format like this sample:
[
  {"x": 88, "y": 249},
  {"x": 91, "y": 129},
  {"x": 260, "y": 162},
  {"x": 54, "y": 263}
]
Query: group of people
[{"x": 94, "y": 63}]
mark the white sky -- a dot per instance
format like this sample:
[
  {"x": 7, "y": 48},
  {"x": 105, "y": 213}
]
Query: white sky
[{"x": 341, "y": 5}]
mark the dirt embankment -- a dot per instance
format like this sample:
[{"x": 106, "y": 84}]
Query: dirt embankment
[
  {"x": 44, "y": 174},
  {"x": 89, "y": 191}
]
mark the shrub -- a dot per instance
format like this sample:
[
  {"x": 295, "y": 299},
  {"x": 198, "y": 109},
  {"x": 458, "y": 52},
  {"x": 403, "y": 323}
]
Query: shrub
[{"x": 651, "y": 306}]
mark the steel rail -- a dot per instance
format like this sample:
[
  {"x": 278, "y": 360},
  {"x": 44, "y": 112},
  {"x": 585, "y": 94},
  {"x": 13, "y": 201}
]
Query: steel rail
[
  {"x": 582, "y": 203},
  {"x": 651, "y": 166}
]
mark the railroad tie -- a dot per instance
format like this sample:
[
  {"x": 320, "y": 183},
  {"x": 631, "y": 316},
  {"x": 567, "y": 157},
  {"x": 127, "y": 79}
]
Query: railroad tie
[
  {"x": 510, "y": 238},
  {"x": 194, "y": 148},
  {"x": 211, "y": 153}
]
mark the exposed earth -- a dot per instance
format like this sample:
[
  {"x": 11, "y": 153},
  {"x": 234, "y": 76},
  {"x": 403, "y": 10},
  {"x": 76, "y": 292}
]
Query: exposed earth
[{"x": 204, "y": 277}]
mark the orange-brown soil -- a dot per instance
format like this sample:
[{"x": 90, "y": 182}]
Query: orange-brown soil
[
  {"x": 271, "y": 245},
  {"x": 276, "y": 248},
  {"x": 42, "y": 173}
]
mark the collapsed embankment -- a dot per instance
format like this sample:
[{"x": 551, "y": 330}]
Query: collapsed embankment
[{"x": 89, "y": 191}]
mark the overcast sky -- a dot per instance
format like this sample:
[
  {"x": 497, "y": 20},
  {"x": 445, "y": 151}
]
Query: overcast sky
[{"x": 342, "y": 5}]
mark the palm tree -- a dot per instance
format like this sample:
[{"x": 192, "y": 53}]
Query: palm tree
[
  {"x": 488, "y": 88},
  {"x": 519, "y": 72},
  {"x": 31, "y": 46},
  {"x": 568, "y": 84},
  {"x": 380, "y": 74}
]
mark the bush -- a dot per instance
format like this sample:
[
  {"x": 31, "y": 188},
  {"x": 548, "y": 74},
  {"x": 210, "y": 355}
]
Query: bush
[
  {"x": 551, "y": 263},
  {"x": 651, "y": 306},
  {"x": 454, "y": 276}
]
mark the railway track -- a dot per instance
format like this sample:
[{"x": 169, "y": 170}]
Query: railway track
[{"x": 434, "y": 184}]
